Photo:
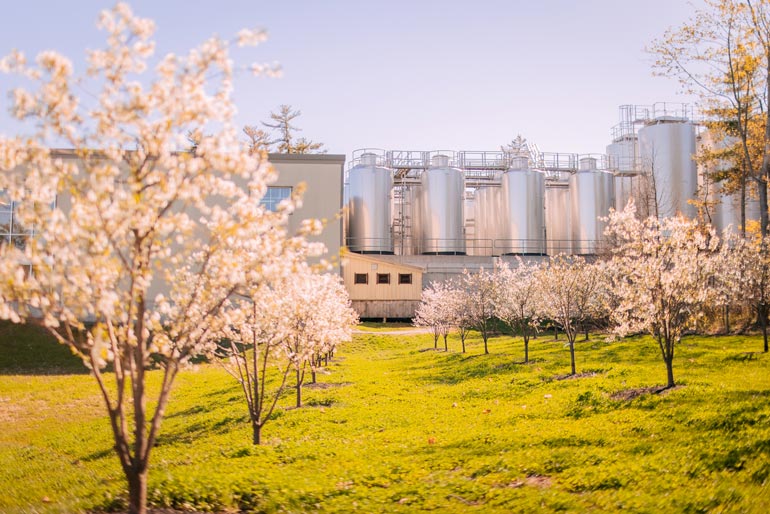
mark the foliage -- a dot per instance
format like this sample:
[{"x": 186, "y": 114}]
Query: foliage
[
  {"x": 132, "y": 234},
  {"x": 286, "y": 142},
  {"x": 402, "y": 430}
]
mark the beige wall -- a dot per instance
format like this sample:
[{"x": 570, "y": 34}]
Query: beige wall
[
  {"x": 323, "y": 176},
  {"x": 354, "y": 263}
]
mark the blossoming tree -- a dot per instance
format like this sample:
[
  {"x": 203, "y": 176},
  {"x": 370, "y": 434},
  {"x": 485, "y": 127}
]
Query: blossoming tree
[
  {"x": 436, "y": 311},
  {"x": 661, "y": 270},
  {"x": 133, "y": 257},
  {"x": 517, "y": 300}
]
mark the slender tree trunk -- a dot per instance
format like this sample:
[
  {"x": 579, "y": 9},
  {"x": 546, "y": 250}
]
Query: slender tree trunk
[
  {"x": 137, "y": 492},
  {"x": 727, "y": 319},
  {"x": 670, "y": 372},
  {"x": 312, "y": 376},
  {"x": 572, "y": 352},
  {"x": 256, "y": 433},
  {"x": 555, "y": 333},
  {"x": 526, "y": 350},
  {"x": 486, "y": 348},
  {"x": 585, "y": 328},
  {"x": 462, "y": 340},
  {"x": 446, "y": 347},
  {"x": 435, "y": 341},
  {"x": 762, "y": 311},
  {"x": 299, "y": 389}
]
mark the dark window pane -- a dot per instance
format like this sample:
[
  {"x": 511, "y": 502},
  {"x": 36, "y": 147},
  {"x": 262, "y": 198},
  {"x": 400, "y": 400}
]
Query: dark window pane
[
  {"x": 361, "y": 278},
  {"x": 383, "y": 278},
  {"x": 404, "y": 278}
]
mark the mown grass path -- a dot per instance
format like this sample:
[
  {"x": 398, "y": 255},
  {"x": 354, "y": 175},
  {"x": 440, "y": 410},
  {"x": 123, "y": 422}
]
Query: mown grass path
[{"x": 397, "y": 427}]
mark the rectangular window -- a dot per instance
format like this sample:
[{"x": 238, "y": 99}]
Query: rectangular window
[
  {"x": 383, "y": 278},
  {"x": 404, "y": 278},
  {"x": 273, "y": 197},
  {"x": 361, "y": 278}
]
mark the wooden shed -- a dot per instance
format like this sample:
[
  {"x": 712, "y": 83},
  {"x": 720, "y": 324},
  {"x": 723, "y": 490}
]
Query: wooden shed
[{"x": 380, "y": 289}]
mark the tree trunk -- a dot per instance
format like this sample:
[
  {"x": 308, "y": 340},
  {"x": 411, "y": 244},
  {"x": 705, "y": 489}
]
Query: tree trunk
[
  {"x": 312, "y": 376},
  {"x": 670, "y": 372},
  {"x": 572, "y": 352},
  {"x": 762, "y": 310},
  {"x": 256, "y": 433},
  {"x": 526, "y": 351},
  {"x": 435, "y": 341},
  {"x": 299, "y": 389},
  {"x": 446, "y": 347},
  {"x": 462, "y": 340},
  {"x": 555, "y": 334},
  {"x": 137, "y": 492},
  {"x": 486, "y": 348},
  {"x": 727, "y": 319},
  {"x": 585, "y": 328}
]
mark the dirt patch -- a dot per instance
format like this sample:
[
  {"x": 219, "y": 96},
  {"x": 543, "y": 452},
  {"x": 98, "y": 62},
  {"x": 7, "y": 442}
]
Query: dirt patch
[
  {"x": 630, "y": 394},
  {"x": 326, "y": 385},
  {"x": 585, "y": 374},
  {"x": 539, "y": 481}
]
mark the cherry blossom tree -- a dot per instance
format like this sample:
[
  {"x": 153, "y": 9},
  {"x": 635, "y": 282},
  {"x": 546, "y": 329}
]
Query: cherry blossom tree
[
  {"x": 457, "y": 301},
  {"x": 744, "y": 272},
  {"x": 517, "y": 301},
  {"x": 569, "y": 287},
  {"x": 662, "y": 270},
  {"x": 435, "y": 311},
  {"x": 479, "y": 290},
  {"x": 133, "y": 256}
]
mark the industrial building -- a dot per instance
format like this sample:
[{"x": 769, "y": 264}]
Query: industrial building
[{"x": 445, "y": 211}]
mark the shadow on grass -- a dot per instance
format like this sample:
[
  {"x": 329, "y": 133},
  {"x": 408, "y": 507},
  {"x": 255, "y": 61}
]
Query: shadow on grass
[{"x": 31, "y": 350}]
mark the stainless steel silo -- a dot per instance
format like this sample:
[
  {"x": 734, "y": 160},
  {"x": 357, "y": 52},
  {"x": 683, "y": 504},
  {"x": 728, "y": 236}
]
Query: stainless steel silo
[
  {"x": 369, "y": 207},
  {"x": 522, "y": 229},
  {"x": 442, "y": 199},
  {"x": 592, "y": 194},
  {"x": 470, "y": 225},
  {"x": 667, "y": 148},
  {"x": 557, "y": 217},
  {"x": 488, "y": 213}
]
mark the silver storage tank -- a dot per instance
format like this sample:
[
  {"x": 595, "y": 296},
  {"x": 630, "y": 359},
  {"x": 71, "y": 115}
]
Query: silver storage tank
[
  {"x": 667, "y": 147},
  {"x": 470, "y": 225},
  {"x": 557, "y": 215},
  {"x": 522, "y": 226},
  {"x": 369, "y": 207},
  {"x": 488, "y": 213},
  {"x": 592, "y": 194},
  {"x": 441, "y": 207},
  {"x": 623, "y": 154},
  {"x": 414, "y": 212}
]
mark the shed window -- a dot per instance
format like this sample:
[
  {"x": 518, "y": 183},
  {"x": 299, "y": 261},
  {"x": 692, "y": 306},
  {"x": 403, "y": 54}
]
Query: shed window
[
  {"x": 404, "y": 278},
  {"x": 361, "y": 278},
  {"x": 383, "y": 278}
]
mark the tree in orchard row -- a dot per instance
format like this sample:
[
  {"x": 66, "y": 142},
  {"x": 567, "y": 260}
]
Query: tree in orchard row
[
  {"x": 661, "y": 270},
  {"x": 278, "y": 326},
  {"x": 141, "y": 242},
  {"x": 517, "y": 300}
]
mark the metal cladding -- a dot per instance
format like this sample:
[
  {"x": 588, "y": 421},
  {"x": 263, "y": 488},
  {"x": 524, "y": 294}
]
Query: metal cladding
[
  {"x": 488, "y": 209},
  {"x": 623, "y": 154},
  {"x": 667, "y": 147},
  {"x": 592, "y": 194},
  {"x": 369, "y": 207},
  {"x": 523, "y": 221},
  {"x": 557, "y": 218},
  {"x": 442, "y": 202}
]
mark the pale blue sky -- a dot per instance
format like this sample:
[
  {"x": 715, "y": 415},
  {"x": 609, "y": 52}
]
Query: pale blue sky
[{"x": 418, "y": 75}]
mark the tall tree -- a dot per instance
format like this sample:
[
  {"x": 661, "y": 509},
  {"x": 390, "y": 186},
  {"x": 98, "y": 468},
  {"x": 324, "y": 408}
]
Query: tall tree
[
  {"x": 281, "y": 122},
  {"x": 723, "y": 55},
  {"x": 132, "y": 261},
  {"x": 480, "y": 291}
]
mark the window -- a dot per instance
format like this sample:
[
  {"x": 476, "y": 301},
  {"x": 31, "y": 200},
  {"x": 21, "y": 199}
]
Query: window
[
  {"x": 11, "y": 231},
  {"x": 383, "y": 278},
  {"x": 273, "y": 197},
  {"x": 404, "y": 278},
  {"x": 361, "y": 278}
]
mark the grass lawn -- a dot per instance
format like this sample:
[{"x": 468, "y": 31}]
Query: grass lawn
[{"x": 398, "y": 427}]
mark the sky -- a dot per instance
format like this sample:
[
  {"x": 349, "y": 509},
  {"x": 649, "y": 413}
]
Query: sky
[{"x": 406, "y": 75}]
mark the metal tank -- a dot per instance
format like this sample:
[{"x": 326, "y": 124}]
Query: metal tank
[
  {"x": 666, "y": 148},
  {"x": 470, "y": 225},
  {"x": 623, "y": 154},
  {"x": 441, "y": 208},
  {"x": 557, "y": 217},
  {"x": 488, "y": 212},
  {"x": 369, "y": 207},
  {"x": 522, "y": 229},
  {"x": 592, "y": 194}
]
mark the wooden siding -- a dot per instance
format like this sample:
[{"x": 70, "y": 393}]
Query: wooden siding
[
  {"x": 354, "y": 263},
  {"x": 384, "y": 309}
]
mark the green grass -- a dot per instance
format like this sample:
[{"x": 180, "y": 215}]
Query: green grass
[{"x": 402, "y": 428}]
